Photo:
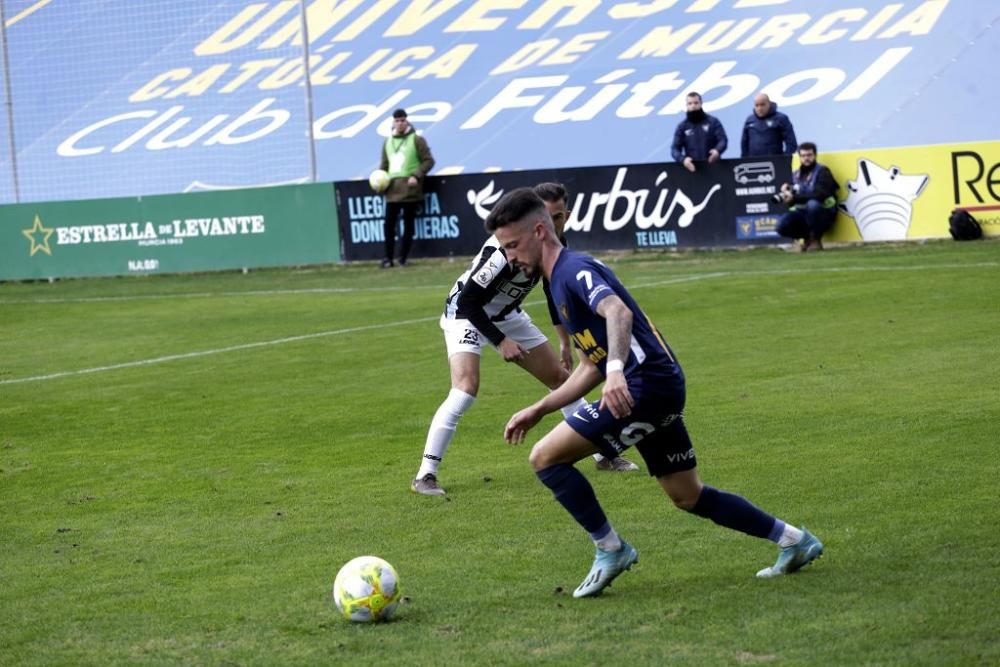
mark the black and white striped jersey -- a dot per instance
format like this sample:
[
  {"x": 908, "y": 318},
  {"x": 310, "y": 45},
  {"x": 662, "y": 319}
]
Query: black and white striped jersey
[{"x": 488, "y": 291}]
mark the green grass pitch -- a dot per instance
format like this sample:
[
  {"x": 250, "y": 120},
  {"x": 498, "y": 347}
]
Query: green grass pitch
[{"x": 186, "y": 462}]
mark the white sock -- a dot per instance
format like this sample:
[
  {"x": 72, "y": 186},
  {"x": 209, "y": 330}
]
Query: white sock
[
  {"x": 610, "y": 542},
  {"x": 791, "y": 535},
  {"x": 442, "y": 429}
]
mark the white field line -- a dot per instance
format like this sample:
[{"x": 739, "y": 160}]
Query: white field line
[
  {"x": 404, "y": 288},
  {"x": 369, "y": 327},
  {"x": 212, "y": 295},
  {"x": 818, "y": 269},
  {"x": 221, "y": 350}
]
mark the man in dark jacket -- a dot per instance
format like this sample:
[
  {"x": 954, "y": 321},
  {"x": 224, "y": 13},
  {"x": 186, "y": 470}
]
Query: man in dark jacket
[
  {"x": 767, "y": 131},
  {"x": 407, "y": 158},
  {"x": 699, "y": 137},
  {"x": 813, "y": 201}
]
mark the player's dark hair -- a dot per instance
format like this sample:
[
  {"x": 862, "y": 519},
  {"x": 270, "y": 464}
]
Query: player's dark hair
[
  {"x": 551, "y": 192},
  {"x": 512, "y": 207},
  {"x": 694, "y": 94},
  {"x": 808, "y": 146}
]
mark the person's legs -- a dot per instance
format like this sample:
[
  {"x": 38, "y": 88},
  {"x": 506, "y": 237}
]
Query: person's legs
[
  {"x": 543, "y": 363},
  {"x": 541, "y": 360},
  {"x": 670, "y": 457},
  {"x": 464, "y": 345},
  {"x": 409, "y": 219},
  {"x": 392, "y": 210},
  {"x": 819, "y": 219},
  {"x": 464, "y": 387},
  {"x": 552, "y": 459},
  {"x": 793, "y": 225},
  {"x": 726, "y": 509},
  {"x": 798, "y": 547}
]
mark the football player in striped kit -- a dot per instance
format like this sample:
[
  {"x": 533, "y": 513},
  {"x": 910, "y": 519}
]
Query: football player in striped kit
[{"x": 484, "y": 307}]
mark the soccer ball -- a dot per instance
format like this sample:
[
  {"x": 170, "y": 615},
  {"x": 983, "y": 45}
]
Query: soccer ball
[
  {"x": 367, "y": 589},
  {"x": 379, "y": 180}
]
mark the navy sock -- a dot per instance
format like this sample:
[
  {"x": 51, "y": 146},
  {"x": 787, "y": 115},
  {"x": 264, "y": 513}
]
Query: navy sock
[
  {"x": 732, "y": 511},
  {"x": 575, "y": 493}
]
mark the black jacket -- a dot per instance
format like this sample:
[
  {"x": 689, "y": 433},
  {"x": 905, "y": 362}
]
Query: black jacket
[
  {"x": 695, "y": 140},
  {"x": 822, "y": 188}
]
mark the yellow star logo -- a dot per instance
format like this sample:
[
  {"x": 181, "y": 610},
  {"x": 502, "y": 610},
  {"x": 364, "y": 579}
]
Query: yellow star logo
[{"x": 37, "y": 245}]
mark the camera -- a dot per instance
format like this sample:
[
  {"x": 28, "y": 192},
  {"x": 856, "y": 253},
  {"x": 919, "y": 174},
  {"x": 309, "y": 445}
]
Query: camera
[{"x": 777, "y": 197}]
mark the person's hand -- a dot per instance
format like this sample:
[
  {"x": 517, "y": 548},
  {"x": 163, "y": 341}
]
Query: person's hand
[
  {"x": 786, "y": 193},
  {"x": 511, "y": 350},
  {"x": 566, "y": 357},
  {"x": 713, "y": 155},
  {"x": 520, "y": 424},
  {"x": 689, "y": 164},
  {"x": 616, "y": 396},
  {"x": 412, "y": 181}
]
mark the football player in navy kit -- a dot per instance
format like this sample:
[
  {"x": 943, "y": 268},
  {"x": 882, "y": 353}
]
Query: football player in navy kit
[
  {"x": 642, "y": 401},
  {"x": 484, "y": 306},
  {"x": 556, "y": 199}
]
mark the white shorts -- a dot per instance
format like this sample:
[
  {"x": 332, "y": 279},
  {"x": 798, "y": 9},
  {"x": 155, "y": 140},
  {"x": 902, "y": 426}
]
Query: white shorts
[{"x": 462, "y": 336}]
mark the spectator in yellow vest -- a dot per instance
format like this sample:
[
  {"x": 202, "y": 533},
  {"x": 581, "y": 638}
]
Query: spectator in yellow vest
[{"x": 407, "y": 158}]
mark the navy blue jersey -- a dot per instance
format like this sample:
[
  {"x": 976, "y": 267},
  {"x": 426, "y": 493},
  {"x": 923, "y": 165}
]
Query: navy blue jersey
[{"x": 579, "y": 283}]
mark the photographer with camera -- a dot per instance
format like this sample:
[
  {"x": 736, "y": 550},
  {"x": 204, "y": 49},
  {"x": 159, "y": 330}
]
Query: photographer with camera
[{"x": 811, "y": 198}]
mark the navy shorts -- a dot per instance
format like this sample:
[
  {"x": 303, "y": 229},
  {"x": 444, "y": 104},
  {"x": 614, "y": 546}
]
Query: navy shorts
[{"x": 655, "y": 427}]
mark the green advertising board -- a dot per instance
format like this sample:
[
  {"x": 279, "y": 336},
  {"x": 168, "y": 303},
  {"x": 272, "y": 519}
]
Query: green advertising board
[{"x": 206, "y": 231}]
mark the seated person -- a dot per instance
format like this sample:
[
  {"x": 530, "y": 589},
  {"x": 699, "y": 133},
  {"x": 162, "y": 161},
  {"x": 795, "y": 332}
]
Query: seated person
[{"x": 812, "y": 200}]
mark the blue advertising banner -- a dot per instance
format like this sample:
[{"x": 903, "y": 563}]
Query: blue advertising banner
[
  {"x": 121, "y": 98},
  {"x": 639, "y": 206}
]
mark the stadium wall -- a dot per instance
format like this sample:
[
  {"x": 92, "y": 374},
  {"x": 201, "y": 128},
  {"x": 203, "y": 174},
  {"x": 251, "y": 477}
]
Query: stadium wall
[
  {"x": 886, "y": 195},
  {"x": 908, "y": 193},
  {"x": 209, "y": 231},
  {"x": 621, "y": 207}
]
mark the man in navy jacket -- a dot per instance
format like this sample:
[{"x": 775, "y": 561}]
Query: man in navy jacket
[
  {"x": 699, "y": 137},
  {"x": 767, "y": 131}
]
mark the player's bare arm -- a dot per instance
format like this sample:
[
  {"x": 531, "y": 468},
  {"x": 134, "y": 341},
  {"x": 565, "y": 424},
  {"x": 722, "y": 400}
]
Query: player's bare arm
[
  {"x": 565, "y": 344},
  {"x": 615, "y": 394},
  {"x": 565, "y": 348},
  {"x": 584, "y": 378}
]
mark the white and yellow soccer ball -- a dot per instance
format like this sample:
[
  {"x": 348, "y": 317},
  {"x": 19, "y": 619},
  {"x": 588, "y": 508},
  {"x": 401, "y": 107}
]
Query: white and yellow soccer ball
[
  {"x": 379, "y": 180},
  {"x": 367, "y": 589}
]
